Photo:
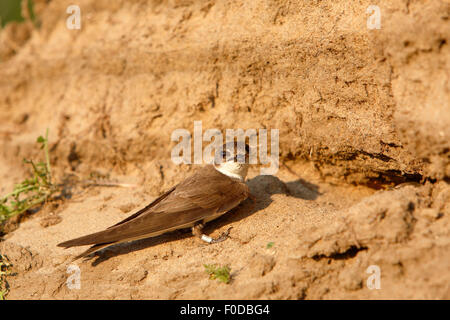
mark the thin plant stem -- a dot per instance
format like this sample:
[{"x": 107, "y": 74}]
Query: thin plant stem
[{"x": 47, "y": 158}]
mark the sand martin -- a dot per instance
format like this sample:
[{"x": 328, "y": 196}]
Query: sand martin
[{"x": 206, "y": 195}]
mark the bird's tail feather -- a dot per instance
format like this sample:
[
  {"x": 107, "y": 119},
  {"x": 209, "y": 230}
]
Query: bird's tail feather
[
  {"x": 92, "y": 249},
  {"x": 93, "y": 238}
]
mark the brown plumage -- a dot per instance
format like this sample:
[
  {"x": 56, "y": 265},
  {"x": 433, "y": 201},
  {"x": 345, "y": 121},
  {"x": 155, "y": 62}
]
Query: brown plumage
[{"x": 204, "y": 196}]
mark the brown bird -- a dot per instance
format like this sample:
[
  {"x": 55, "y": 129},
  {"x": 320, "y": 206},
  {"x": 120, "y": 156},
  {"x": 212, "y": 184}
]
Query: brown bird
[{"x": 206, "y": 195}]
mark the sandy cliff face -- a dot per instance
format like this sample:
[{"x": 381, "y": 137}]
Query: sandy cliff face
[{"x": 358, "y": 110}]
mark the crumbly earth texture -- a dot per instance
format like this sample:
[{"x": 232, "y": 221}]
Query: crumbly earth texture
[{"x": 364, "y": 125}]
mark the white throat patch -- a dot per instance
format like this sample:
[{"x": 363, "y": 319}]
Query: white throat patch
[{"x": 233, "y": 170}]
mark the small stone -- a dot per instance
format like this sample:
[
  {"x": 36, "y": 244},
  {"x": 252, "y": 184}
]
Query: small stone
[
  {"x": 125, "y": 208},
  {"x": 50, "y": 220}
]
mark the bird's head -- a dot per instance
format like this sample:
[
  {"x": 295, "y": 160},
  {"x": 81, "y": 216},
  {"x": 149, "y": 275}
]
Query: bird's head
[{"x": 233, "y": 160}]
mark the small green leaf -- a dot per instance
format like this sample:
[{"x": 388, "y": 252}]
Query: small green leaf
[
  {"x": 220, "y": 273},
  {"x": 270, "y": 245},
  {"x": 32, "y": 191}
]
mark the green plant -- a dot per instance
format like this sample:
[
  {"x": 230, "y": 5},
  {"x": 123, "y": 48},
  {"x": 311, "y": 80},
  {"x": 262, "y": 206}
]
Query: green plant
[
  {"x": 220, "y": 273},
  {"x": 5, "y": 270},
  {"x": 30, "y": 192},
  {"x": 11, "y": 10},
  {"x": 270, "y": 245}
]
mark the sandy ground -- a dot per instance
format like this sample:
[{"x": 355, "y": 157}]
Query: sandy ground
[
  {"x": 364, "y": 120},
  {"x": 325, "y": 237}
]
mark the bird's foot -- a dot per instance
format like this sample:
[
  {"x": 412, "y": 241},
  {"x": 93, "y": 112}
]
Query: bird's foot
[
  {"x": 196, "y": 230},
  {"x": 222, "y": 237}
]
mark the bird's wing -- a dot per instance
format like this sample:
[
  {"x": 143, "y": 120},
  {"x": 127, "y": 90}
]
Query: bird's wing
[
  {"x": 208, "y": 190},
  {"x": 198, "y": 197},
  {"x": 147, "y": 208},
  {"x": 80, "y": 241}
]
